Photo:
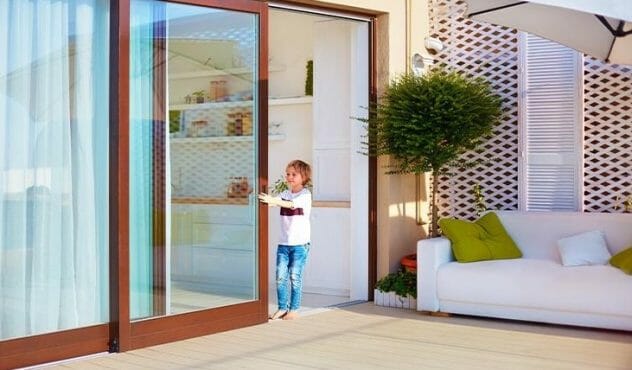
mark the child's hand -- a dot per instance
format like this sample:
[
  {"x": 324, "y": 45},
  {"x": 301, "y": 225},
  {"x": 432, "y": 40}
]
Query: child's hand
[
  {"x": 265, "y": 198},
  {"x": 275, "y": 201}
]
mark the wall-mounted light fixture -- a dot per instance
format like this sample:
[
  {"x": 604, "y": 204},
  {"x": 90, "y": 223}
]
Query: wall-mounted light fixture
[
  {"x": 433, "y": 45},
  {"x": 419, "y": 63}
]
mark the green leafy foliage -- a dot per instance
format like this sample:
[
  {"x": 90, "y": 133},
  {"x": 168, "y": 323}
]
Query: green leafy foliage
[
  {"x": 403, "y": 283},
  {"x": 479, "y": 199},
  {"x": 427, "y": 122},
  {"x": 199, "y": 93},
  {"x": 174, "y": 120},
  {"x": 280, "y": 186},
  {"x": 309, "y": 78}
]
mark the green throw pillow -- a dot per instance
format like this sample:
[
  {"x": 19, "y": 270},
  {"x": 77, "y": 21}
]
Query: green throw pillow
[
  {"x": 623, "y": 260},
  {"x": 484, "y": 239}
]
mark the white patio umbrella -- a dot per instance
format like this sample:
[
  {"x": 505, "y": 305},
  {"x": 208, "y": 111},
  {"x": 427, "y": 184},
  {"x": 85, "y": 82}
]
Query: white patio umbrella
[{"x": 600, "y": 28}]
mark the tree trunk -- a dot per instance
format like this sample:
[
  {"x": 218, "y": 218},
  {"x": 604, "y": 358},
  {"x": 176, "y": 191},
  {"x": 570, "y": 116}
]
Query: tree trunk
[{"x": 434, "y": 226}]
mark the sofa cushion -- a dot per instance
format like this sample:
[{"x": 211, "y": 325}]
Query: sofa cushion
[
  {"x": 623, "y": 260},
  {"x": 537, "y": 284},
  {"x": 537, "y": 233},
  {"x": 484, "y": 239},
  {"x": 587, "y": 248}
]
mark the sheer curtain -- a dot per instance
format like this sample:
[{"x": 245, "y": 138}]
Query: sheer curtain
[{"x": 53, "y": 165}]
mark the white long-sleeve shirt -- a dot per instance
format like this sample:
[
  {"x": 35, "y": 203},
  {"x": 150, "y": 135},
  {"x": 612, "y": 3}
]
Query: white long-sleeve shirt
[{"x": 295, "y": 225}]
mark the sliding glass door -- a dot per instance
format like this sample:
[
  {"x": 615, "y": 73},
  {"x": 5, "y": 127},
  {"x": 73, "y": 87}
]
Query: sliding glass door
[
  {"x": 194, "y": 163},
  {"x": 54, "y": 77},
  {"x": 131, "y": 152}
]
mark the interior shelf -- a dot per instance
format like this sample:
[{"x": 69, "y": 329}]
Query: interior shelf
[
  {"x": 220, "y": 72},
  {"x": 290, "y": 101},
  {"x": 212, "y": 105},
  {"x": 221, "y": 139},
  {"x": 244, "y": 103}
]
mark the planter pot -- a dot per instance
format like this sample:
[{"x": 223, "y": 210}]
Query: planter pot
[
  {"x": 409, "y": 262},
  {"x": 390, "y": 299}
]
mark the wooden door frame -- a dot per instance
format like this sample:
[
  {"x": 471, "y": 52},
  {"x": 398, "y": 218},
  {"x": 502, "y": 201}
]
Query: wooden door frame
[
  {"x": 163, "y": 329},
  {"x": 374, "y": 24}
]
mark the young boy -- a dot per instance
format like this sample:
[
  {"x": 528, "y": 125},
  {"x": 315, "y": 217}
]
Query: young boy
[{"x": 294, "y": 240}]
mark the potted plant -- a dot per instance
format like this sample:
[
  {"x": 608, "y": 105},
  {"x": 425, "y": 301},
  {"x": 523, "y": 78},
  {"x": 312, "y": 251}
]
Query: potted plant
[
  {"x": 427, "y": 122},
  {"x": 397, "y": 289},
  {"x": 199, "y": 96}
]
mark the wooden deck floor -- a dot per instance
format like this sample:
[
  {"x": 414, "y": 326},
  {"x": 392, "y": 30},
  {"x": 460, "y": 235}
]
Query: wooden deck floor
[{"x": 364, "y": 336}]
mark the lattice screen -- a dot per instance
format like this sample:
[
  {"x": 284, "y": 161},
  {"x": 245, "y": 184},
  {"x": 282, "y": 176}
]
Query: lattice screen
[
  {"x": 210, "y": 151},
  {"x": 607, "y": 135},
  {"x": 489, "y": 51},
  {"x": 203, "y": 169}
]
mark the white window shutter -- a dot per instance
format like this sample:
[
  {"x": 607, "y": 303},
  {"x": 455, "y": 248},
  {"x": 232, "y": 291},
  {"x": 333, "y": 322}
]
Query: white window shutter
[{"x": 550, "y": 126}]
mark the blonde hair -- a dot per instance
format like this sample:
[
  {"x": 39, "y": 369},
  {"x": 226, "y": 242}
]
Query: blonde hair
[{"x": 303, "y": 168}]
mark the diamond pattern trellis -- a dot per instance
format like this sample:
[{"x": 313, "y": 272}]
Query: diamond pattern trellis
[
  {"x": 607, "y": 135},
  {"x": 203, "y": 169},
  {"x": 491, "y": 52},
  {"x": 207, "y": 154}
]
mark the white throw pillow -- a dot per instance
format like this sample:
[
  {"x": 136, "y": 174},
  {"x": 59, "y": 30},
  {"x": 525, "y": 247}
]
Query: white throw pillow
[{"x": 587, "y": 248}]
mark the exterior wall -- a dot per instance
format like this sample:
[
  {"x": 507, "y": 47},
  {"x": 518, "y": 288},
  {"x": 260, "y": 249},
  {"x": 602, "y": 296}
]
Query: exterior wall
[
  {"x": 492, "y": 52},
  {"x": 398, "y": 203}
]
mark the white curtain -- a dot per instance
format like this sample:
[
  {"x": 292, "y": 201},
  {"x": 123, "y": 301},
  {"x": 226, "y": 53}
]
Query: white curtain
[{"x": 53, "y": 165}]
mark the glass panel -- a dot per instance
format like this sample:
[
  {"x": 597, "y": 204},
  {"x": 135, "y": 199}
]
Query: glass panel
[
  {"x": 193, "y": 165},
  {"x": 54, "y": 111}
]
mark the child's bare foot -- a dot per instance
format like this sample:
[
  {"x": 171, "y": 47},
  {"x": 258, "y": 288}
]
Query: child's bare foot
[
  {"x": 278, "y": 314},
  {"x": 290, "y": 315}
]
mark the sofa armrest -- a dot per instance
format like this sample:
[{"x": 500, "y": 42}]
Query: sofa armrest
[{"x": 431, "y": 253}]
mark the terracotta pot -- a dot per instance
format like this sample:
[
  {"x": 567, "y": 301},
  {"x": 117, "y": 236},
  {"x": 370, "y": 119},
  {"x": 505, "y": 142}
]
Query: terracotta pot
[{"x": 409, "y": 262}]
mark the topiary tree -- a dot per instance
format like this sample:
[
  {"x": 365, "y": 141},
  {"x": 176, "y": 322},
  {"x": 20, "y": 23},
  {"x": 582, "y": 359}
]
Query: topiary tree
[{"x": 426, "y": 122}]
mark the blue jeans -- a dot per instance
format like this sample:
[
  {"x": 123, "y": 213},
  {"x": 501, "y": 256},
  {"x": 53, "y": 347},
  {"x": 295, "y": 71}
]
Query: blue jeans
[{"x": 290, "y": 263}]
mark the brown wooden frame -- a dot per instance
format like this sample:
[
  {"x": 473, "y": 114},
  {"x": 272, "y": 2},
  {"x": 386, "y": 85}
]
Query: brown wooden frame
[
  {"x": 372, "y": 78},
  {"x": 162, "y": 329},
  {"x": 119, "y": 177},
  {"x": 55, "y": 346},
  {"x": 372, "y": 217}
]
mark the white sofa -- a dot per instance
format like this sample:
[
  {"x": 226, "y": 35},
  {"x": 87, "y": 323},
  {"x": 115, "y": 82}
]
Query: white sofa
[{"x": 536, "y": 287}]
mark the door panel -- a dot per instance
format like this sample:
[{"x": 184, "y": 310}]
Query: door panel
[
  {"x": 194, "y": 163},
  {"x": 54, "y": 204}
]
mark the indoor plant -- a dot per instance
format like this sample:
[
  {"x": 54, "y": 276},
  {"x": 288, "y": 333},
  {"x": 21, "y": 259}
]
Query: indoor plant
[
  {"x": 199, "y": 96},
  {"x": 427, "y": 122}
]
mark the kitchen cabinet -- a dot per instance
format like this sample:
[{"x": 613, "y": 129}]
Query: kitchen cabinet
[{"x": 212, "y": 247}]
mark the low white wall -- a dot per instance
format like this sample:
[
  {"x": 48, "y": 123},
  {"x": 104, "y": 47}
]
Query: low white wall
[{"x": 328, "y": 268}]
